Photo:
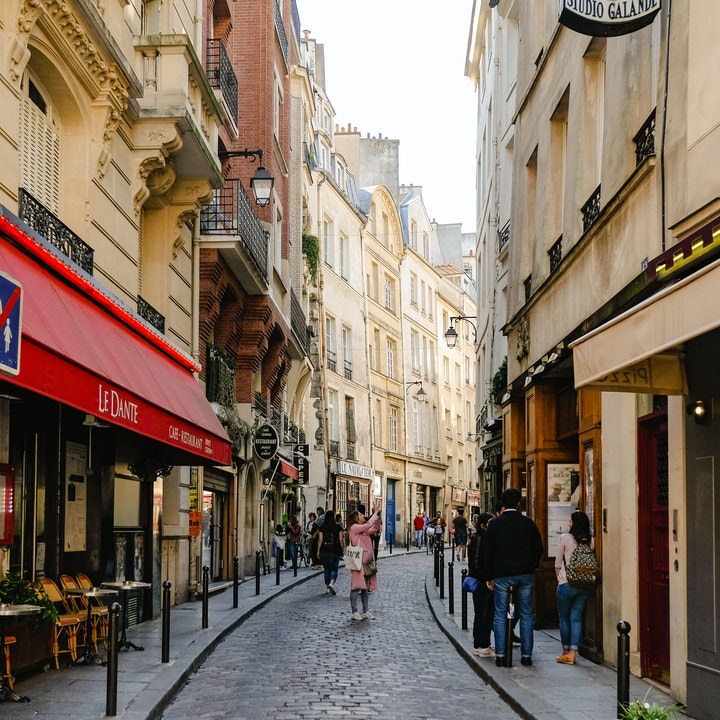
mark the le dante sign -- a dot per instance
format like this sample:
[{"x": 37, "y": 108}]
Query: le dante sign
[{"x": 607, "y": 18}]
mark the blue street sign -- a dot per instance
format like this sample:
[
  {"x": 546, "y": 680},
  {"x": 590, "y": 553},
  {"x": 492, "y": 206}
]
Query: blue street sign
[{"x": 10, "y": 324}]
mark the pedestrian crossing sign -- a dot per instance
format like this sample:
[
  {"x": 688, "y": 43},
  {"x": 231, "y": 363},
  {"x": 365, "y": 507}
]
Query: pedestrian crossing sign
[{"x": 10, "y": 324}]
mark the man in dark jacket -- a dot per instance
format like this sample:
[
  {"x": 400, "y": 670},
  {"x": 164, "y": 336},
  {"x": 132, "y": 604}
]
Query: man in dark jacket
[{"x": 513, "y": 548}]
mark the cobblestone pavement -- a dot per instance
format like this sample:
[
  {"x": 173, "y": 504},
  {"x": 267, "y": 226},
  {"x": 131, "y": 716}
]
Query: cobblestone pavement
[{"x": 302, "y": 657}]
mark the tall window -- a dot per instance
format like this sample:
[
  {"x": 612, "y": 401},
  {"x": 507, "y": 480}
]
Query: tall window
[
  {"x": 330, "y": 344},
  {"x": 417, "y": 426},
  {"x": 333, "y": 424},
  {"x": 389, "y": 292},
  {"x": 413, "y": 289},
  {"x": 393, "y": 429},
  {"x": 328, "y": 243},
  {"x": 390, "y": 355},
  {"x": 347, "y": 352},
  {"x": 415, "y": 351},
  {"x": 344, "y": 256},
  {"x": 413, "y": 235}
]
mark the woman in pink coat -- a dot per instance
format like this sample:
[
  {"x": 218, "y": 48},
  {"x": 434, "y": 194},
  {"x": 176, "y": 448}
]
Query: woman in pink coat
[{"x": 361, "y": 532}]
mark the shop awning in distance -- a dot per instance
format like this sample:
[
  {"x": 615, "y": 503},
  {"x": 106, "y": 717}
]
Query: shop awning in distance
[{"x": 82, "y": 347}]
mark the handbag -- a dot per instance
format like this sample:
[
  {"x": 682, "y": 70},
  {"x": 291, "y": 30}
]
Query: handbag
[
  {"x": 353, "y": 557},
  {"x": 470, "y": 584},
  {"x": 369, "y": 567}
]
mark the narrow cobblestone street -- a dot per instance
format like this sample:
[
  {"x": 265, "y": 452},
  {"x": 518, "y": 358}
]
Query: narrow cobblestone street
[{"x": 302, "y": 656}]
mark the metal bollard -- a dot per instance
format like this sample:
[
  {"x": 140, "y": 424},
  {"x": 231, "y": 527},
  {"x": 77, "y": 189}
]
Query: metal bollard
[
  {"x": 112, "y": 662},
  {"x": 236, "y": 579},
  {"x": 278, "y": 563},
  {"x": 166, "y": 621},
  {"x": 294, "y": 560},
  {"x": 463, "y": 601},
  {"x": 257, "y": 572},
  {"x": 205, "y": 594},
  {"x": 436, "y": 561},
  {"x": 451, "y": 587},
  {"x": 441, "y": 572},
  {"x": 390, "y": 543},
  {"x": 509, "y": 627},
  {"x": 623, "y": 667}
]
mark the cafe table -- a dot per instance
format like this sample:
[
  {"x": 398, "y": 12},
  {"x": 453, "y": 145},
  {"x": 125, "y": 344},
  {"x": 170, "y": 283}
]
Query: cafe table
[
  {"x": 10, "y": 611},
  {"x": 89, "y": 657},
  {"x": 126, "y": 587}
]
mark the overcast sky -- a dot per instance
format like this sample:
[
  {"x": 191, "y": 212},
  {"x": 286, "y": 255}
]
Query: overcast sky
[{"x": 396, "y": 68}]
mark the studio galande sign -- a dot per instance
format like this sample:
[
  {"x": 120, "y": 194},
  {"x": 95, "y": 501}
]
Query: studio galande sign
[{"x": 607, "y": 18}]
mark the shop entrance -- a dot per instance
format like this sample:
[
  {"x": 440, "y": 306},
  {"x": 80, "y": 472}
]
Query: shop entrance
[
  {"x": 212, "y": 532},
  {"x": 653, "y": 554}
]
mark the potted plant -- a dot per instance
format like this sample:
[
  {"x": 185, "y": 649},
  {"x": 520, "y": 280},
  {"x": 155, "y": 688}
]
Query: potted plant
[{"x": 643, "y": 710}]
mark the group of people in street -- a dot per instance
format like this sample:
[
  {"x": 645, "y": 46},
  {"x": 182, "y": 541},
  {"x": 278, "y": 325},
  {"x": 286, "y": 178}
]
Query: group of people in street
[{"x": 503, "y": 554}]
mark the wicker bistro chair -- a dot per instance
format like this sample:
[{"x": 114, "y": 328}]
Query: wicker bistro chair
[
  {"x": 66, "y": 627},
  {"x": 100, "y": 617},
  {"x": 7, "y": 669}
]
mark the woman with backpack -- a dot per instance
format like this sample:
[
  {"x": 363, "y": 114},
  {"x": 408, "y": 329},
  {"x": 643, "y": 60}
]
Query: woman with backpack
[
  {"x": 571, "y": 598},
  {"x": 330, "y": 549}
]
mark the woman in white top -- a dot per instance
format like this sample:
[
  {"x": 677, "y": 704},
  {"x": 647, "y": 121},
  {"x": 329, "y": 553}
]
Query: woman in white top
[{"x": 571, "y": 600}]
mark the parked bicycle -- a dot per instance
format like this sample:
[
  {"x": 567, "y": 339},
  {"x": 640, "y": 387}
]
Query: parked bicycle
[{"x": 303, "y": 551}]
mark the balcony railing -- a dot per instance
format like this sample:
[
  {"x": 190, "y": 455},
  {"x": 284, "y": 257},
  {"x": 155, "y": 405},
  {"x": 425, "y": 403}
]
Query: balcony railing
[
  {"x": 335, "y": 448},
  {"x": 348, "y": 369},
  {"x": 350, "y": 453},
  {"x": 221, "y": 75},
  {"x": 147, "y": 312},
  {"x": 220, "y": 376},
  {"x": 645, "y": 140},
  {"x": 230, "y": 213},
  {"x": 555, "y": 255},
  {"x": 331, "y": 360},
  {"x": 504, "y": 237},
  {"x": 59, "y": 235},
  {"x": 260, "y": 405},
  {"x": 591, "y": 209}
]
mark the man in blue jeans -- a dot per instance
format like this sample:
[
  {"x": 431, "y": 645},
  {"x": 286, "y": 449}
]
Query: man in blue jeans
[{"x": 513, "y": 549}]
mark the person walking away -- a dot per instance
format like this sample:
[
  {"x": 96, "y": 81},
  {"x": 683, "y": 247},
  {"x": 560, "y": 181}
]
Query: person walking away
[
  {"x": 483, "y": 605},
  {"x": 419, "y": 526},
  {"x": 278, "y": 543},
  {"x": 362, "y": 532},
  {"x": 294, "y": 534},
  {"x": 331, "y": 549},
  {"x": 314, "y": 530},
  {"x": 571, "y": 600},
  {"x": 513, "y": 548},
  {"x": 460, "y": 525}
]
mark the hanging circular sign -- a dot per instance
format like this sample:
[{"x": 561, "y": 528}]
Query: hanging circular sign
[{"x": 266, "y": 442}]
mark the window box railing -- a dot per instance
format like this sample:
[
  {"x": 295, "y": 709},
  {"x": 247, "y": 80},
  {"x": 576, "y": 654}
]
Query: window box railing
[
  {"x": 591, "y": 209},
  {"x": 555, "y": 254},
  {"x": 42, "y": 221},
  {"x": 147, "y": 312},
  {"x": 221, "y": 75},
  {"x": 645, "y": 140},
  {"x": 335, "y": 448},
  {"x": 504, "y": 237},
  {"x": 331, "y": 360},
  {"x": 348, "y": 370}
]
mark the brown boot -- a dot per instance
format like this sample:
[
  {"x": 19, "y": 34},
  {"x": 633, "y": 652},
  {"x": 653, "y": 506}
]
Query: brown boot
[{"x": 567, "y": 658}]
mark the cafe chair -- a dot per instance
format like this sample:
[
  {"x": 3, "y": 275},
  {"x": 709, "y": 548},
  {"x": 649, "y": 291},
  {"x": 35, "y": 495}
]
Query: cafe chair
[
  {"x": 7, "y": 669},
  {"x": 66, "y": 627},
  {"x": 100, "y": 617}
]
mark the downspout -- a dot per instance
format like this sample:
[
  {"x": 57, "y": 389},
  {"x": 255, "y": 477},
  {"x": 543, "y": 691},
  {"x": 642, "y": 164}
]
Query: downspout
[{"x": 664, "y": 121}]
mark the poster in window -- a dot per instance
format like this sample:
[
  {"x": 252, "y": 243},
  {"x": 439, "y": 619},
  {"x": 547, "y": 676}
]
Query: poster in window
[
  {"x": 7, "y": 490},
  {"x": 75, "y": 497},
  {"x": 590, "y": 484},
  {"x": 562, "y": 486}
]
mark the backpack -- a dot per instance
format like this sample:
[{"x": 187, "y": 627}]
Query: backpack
[{"x": 582, "y": 569}]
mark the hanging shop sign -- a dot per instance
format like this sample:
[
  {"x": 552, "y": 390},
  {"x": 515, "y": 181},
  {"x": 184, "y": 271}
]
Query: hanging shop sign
[
  {"x": 607, "y": 18},
  {"x": 266, "y": 442}
]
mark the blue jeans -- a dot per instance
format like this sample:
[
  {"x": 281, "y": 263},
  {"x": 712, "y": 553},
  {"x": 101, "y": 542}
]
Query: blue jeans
[
  {"x": 571, "y": 604},
  {"x": 292, "y": 551},
  {"x": 331, "y": 562},
  {"x": 418, "y": 538},
  {"x": 522, "y": 596},
  {"x": 483, "y": 614}
]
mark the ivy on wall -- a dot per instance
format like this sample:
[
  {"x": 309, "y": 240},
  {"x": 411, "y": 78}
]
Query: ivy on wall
[{"x": 311, "y": 250}]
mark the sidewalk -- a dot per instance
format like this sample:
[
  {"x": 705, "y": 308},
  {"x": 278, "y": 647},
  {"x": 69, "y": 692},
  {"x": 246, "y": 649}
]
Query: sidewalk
[{"x": 146, "y": 685}]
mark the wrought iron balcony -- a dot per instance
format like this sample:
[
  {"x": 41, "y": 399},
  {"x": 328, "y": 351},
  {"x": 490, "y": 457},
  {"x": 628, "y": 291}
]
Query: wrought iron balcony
[
  {"x": 504, "y": 237},
  {"x": 555, "y": 254},
  {"x": 348, "y": 369},
  {"x": 331, "y": 360},
  {"x": 335, "y": 448},
  {"x": 221, "y": 75},
  {"x": 645, "y": 140},
  {"x": 350, "y": 452},
  {"x": 220, "y": 376},
  {"x": 591, "y": 209},
  {"x": 230, "y": 213},
  {"x": 147, "y": 312},
  {"x": 59, "y": 235}
]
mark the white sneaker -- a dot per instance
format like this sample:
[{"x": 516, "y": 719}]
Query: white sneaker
[
  {"x": 368, "y": 616},
  {"x": 484, "y": 652},
  {"x": 356, "y": 616}
]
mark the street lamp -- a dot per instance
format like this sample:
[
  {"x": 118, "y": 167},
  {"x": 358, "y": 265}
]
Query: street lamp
[
  {"x": 421, "y": 394},
  {"x": 451, "y": 335},
  {"x": 261, "y": 183}
]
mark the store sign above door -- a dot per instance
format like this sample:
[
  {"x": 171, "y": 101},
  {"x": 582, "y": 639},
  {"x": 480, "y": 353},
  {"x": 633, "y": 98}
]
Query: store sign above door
[{"x": 606, "y": 18}]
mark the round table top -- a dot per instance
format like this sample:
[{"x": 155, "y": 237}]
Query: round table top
[
  {"x": 128, "y": 585},
  {"x": 7, "y": 609},
  {"x": 90, "y": 592}
]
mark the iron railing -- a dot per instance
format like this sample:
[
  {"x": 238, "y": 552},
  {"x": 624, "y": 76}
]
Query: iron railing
[
  {"x": 298, "y": 323},
  {"x": 645, "y": 140},
  {"x": 221, "y": 75},
  {"x": 147, "y": 312},
  {"x": 220, "y": 374},
  {"x": 555, "y": 254},
  {"x": 504, "y": 237},
  {"x": 39, "y": 218},
  {"x": 591, "y": 209},
  {"x": 230, "y": 213}
]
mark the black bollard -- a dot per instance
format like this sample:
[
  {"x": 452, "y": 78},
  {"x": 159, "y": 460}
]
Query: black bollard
[
  {"x": 509, "y": 627},
  {"x": 112, "y": 662},
  {"x": 390, "y": 543},
  {"x": 441, "y": 572},
  {"x": 436, "y": 561},
  {"x": 463, "y": 601},
  {"x": 278, "y": 563},
  {"x": 257, "y": 572},
  {"x": 451, "y": 587},
  {"x": 623, "y": 667},
  {"x": 205, "y": 594},
  {"x": 294, "y": 559},
  {"x": 236, "y": 579},
  {"x": 166, "y": 621}
]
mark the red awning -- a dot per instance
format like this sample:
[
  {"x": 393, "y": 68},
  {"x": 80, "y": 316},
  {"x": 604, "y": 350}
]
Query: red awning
[
  {"x": 285, "y": 468},
  {"x": 83, "y": 348}
]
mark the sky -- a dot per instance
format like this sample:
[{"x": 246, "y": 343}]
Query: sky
[{"x": 396, "y": 68}]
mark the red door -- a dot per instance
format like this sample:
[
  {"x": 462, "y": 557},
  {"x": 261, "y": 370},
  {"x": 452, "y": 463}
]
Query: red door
[{"x": 653, "y": 554}]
